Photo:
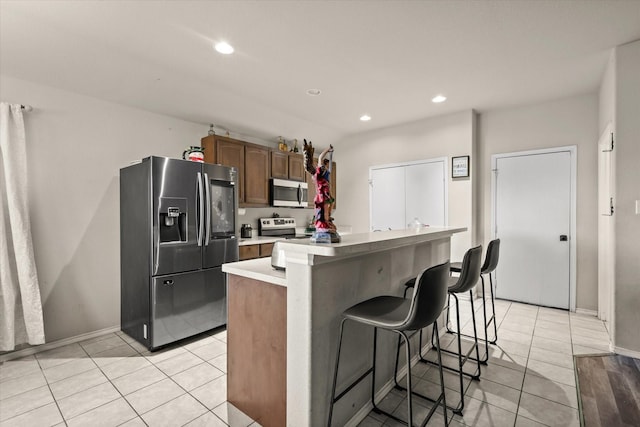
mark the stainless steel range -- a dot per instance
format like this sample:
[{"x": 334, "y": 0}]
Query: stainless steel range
[{"x": 277, "y": 227}]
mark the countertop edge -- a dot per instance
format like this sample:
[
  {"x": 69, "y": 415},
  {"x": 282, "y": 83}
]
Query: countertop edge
[
  {"x": 370, "y": 242},
  {"x": 257, "y": 269}
]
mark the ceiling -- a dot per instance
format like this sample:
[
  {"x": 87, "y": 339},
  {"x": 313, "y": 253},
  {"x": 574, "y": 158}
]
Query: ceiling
[{"x": 383, "y": 58}]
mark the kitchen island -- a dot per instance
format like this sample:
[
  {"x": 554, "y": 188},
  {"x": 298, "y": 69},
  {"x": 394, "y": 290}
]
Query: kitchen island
[{"x": 282, "y": 329}]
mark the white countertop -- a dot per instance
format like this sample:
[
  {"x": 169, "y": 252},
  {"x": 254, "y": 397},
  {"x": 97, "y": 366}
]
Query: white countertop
[
  {"x": 258, "y": 240},
  {"x": 369, "y": 242},
  {"x": 352, "y": 244},
  {"x": 258, "y": 269}
]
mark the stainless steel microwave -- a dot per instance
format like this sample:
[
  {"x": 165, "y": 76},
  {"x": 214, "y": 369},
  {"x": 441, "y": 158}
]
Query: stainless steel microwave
[{"x": 286, "y": 193}]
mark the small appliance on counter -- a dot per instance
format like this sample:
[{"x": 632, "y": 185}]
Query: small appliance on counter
[
  {"x": 278, "y": 227},
  {"x": 245, "y": 231}
]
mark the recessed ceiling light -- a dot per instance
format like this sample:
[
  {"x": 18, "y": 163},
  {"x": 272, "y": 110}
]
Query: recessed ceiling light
[
  {"x": 224, "y": 48},
  {"x": 314, "y": 92},
  {"x": 365, "y": 118},
  {"x": 439, "y": 98}
]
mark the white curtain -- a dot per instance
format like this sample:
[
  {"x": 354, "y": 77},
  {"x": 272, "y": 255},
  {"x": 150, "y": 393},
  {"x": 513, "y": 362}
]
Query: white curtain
[{"x": 21, "y": 315}]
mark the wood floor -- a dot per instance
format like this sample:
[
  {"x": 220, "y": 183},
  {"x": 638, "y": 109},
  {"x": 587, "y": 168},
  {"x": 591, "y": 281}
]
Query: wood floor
[{"x": 609, "y": 390}]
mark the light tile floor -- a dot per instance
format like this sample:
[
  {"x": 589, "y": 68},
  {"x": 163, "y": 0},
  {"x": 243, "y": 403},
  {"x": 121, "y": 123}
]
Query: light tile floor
[
  {"x": 113, "y": 381},
  {"x": 529, "y": 380}
]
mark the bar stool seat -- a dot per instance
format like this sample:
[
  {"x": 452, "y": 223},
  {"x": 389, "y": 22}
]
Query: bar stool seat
[{"x": 399, "y": 315}]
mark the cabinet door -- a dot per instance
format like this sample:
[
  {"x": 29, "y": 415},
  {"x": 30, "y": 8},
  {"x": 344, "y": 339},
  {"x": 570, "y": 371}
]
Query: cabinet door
[
  {"x": 279, "y": 164},
  {"x": 232, "y": 154},
  {"x": 249, "y": 252},
  {"x": 256, "y": 179},
  {"x": 296, "y": 167},
  {"x": 208, "y": 143},
  {"x": 266, "y": 249}
]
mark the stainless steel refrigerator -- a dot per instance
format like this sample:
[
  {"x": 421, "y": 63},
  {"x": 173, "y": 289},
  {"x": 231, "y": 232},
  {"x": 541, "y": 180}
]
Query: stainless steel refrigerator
[{"x": 177, "y": 227}]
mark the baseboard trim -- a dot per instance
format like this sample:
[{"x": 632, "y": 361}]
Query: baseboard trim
[
  {"x": 586, "y": 312},
  {"x": 55, "y": 344},
  {"x": 389, "y": 385},
  {"x": 626, "y": 352}
]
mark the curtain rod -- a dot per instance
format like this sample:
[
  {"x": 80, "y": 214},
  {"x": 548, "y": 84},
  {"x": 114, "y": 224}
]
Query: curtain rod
[{"x": 26, "y": 108}]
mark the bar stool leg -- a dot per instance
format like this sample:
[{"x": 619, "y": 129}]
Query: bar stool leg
[
  {"x": 442, "y": 392},
  {"x": 493, "y": 307},
  {"x": 475, "y": 335},
  {"x": 409, "y": 399},
  {"x": 485, "y": 359},
  {"x": 335, "y": 373}
]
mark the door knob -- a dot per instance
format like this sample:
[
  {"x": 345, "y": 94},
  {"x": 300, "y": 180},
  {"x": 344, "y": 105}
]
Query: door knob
[{"x": 563, "y": 238}]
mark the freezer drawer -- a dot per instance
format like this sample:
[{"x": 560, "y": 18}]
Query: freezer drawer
[{"x": 187, "y": 304}]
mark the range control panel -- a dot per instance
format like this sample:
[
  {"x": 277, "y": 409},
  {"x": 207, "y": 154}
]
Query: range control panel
[{"x": 275, "y": 223}]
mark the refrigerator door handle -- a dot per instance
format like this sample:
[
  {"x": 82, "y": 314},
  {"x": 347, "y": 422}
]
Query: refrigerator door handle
[
  {"x": 207, "y": 228},
  {"x": 299, "y": 194},
  {"x": 200, "y": 208}
]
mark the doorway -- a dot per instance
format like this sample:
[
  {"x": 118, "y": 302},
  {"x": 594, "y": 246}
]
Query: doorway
[
  {"x": 606, "y": 247},
  {"x": 533, "y": 215}
]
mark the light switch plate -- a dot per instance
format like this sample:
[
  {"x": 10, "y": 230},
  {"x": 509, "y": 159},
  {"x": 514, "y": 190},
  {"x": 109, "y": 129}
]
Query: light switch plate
[{"x": 637, "y": 207}]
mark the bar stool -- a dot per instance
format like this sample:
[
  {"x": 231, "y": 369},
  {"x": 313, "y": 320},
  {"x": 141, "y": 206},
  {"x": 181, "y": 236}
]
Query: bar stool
[
  {"x": 400, "y": 315},
  {"x": 457, "y": 285},
  {"x": 489, "y": 265}
]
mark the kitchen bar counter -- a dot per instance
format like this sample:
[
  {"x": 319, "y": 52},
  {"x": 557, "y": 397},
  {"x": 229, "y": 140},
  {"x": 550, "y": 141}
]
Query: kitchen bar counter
[{"x": 282, "y": 330}]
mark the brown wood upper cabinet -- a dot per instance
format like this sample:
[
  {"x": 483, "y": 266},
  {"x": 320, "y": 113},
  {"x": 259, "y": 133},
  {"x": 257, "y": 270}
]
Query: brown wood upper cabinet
[
  {"x": 296, "y": 167},
  {"x": 287, "y": 165},
  {"x": 251, "y": 161},
  {"x": 279, "y": 164}
]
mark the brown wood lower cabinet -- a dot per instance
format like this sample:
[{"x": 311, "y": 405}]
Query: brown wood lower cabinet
[
  {"x": 255, "y": 251},
  {"x": 257, "y": 350},
  {"x": 248, "y": 252},
  {"x": 265, "y": 249}
]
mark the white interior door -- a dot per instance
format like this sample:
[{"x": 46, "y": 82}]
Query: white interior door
[
  {"x": 387, "y": 199},
  {"x": 533, "y": 202},
  {"x": 424, "y": 188},
  {"x": 605, "y": 225}
]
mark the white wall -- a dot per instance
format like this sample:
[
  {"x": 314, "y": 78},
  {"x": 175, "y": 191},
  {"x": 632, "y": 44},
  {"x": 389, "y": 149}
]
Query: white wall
[
  {"x": 570, "y": 121},
  {"x": 76, "y": 146},
  {"x": 627, "y": 191},
  {"x": 444, "y": 136}
]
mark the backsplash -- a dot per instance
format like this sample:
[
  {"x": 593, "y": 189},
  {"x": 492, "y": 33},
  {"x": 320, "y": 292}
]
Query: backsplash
[{"x": 251, "y": 215}]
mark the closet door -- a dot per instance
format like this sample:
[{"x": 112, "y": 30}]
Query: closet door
[
  {"x": 387, "y": 199},
  {"x": 425, "y": 193}
]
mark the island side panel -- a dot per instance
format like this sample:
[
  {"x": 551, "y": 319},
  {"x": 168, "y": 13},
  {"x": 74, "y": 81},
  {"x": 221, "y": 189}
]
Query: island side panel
[{"x": 257, "y": 349}]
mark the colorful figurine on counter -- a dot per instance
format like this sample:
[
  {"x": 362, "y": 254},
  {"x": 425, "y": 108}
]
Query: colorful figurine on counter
[{"x": 325, "y": 229}]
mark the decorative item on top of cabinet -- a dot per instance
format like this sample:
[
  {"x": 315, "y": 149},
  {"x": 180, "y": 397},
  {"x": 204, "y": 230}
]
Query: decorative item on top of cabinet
[{"x": 251, "y": 161}]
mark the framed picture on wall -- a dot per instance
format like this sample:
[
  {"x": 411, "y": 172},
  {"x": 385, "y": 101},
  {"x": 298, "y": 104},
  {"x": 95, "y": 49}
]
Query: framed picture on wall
[{"x": 460, "y": 167}]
